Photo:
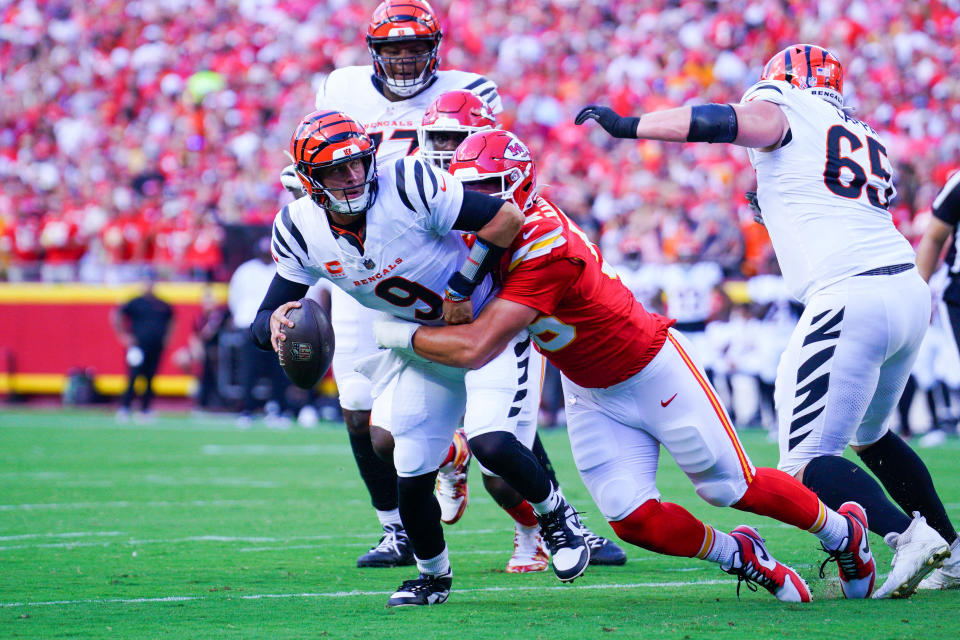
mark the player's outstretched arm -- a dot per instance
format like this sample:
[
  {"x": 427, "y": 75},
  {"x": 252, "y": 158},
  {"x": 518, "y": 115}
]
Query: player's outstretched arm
[
  {"x": 931, "y": 246},
  {"x": 473, "y": 345},
  {"x": 758, "y": 124}
]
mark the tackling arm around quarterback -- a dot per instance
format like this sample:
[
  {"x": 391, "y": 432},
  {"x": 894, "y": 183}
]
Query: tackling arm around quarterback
[{"x": 468, "y": 346}]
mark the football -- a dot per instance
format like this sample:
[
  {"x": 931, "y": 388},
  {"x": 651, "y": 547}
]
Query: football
[{"x": 308, "y": 350}]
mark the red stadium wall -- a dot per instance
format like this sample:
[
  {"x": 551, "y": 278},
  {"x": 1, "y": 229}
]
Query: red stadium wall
[{"x": 48, "y": 329}]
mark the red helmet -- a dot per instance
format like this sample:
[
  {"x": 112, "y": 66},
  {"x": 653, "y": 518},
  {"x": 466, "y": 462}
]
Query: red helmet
[
  {"x": 457, "y": 114},
  {"x": 404, "y": 21},
  {"x": 808, "y": 67},
  {"x": 325, "y": 139},
  {"x": 501, "y": 157}
]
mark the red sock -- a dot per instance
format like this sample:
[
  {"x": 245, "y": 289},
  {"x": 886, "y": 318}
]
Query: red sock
[
  {"x": 523, "y": 513},
  {"x": 782, "y": 497},
  {"x": 663, "y": 527}
]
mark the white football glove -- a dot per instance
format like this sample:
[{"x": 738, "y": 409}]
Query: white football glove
[
  {"x": 393, "y": 333},
  {"x": 291, "y": 181}
]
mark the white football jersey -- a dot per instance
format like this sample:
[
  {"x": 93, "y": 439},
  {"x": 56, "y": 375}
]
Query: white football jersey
[
  {"x": 688, "y": 289},
  {"x": 393, "y": 125},
  {"x": 824, "y": 193},
  {"x": 409, "y": 250}
]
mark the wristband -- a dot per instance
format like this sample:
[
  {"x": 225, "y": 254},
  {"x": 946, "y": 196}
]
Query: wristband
[
  {"x": 625, "y": 127},
  {"x": 483, "y": 258}
]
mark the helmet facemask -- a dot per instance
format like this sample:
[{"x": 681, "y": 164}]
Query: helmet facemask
[
  {"x": 337, "y": 200},
  {"x": 503, "y": 184},
  {"x": 439, "y": 141},
  {"x": 386, "y": 67}
]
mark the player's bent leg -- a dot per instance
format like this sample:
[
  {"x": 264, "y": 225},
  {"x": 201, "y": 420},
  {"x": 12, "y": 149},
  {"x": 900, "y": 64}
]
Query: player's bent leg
[
  {"x": 383, "y": 444},
  {"x": 907, "y": 480},
  {"x": 504, "y": 455},
  {"x": 421, "y": 516},
  {"x": 380, "y": 478}
]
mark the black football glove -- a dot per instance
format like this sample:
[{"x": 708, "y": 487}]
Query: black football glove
[
  {"x": 755, "y": 205},
  {"x": 614, "y": 123}
]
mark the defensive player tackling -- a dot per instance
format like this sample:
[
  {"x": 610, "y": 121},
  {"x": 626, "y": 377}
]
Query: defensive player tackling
[{"x": 630, "y": 385}]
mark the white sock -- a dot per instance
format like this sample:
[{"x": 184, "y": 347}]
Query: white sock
[
  {"x": 548, "y": 505},
  {"x": 437, "y": 566},
  {"x": 833, "y": 534},
  {"x": 389, "y": 517},
  {"x": 724, "y": 550}
]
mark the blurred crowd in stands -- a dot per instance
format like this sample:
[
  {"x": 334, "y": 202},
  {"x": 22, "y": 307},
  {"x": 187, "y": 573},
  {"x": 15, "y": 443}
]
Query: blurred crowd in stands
[
  {"x": 134, "y": 135},
  {"x": 132, "y": 132}
]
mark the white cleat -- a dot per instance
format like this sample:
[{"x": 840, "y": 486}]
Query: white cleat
[
  {"x": 529, "y": 552},
  {"x": 451, "y": 489},
  {"x": 947, "y": 576},
  {"x": 917, "y": 551}
]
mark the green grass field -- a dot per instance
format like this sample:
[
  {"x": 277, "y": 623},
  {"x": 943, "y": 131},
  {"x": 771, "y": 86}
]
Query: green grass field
[{"x": 190, "y": 528}]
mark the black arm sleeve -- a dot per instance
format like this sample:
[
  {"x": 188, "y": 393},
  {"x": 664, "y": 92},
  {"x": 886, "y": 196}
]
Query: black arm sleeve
[
  {"x": 946, "y": 206},
  {"x": 281, "y": 291},
  {"x": 477, "y": 210}
]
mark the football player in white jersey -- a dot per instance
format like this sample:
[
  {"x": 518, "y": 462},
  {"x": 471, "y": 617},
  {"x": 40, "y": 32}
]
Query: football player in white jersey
[
  {"x": 447, "y": 122},
  {"x": 824, "y": 184},
  {"x": 389, "y": 98},
  {"x": 392, "y": 238}
]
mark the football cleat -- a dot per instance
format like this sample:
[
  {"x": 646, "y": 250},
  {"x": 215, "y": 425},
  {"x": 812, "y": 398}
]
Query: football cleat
[
  {"x": 603, "y": 552},
  {"x": 563, "y": 534},
  {"x": 858, "y": 571},
  {"x": 754, "y": 565},
  {"x": 424, "y": 590},
  {"x": 916, "y": 552},
  {"x": 452, "y": 491},
  {"x": 529, "y": 552},
  {"x": 393, "y": 550},
  {"x": 947, "y": 576}
]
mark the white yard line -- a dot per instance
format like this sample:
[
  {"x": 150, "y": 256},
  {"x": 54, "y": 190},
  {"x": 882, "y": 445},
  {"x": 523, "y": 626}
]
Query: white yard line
[
  {"x": 69, "y": 534},
  {"x": 51, "y": 506},
  {"x": 274, "y": 449},
  {"x": 348, "y": 594}
]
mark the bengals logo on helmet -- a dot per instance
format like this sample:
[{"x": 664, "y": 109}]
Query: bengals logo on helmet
[
  {"x": 808, "y": 67},
  {"x": 327, "y": 138}
]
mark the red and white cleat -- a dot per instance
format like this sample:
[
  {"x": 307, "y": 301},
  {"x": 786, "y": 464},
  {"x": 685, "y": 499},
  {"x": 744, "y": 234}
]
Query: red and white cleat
[
  {"x": 529, "y": 552},
  {"x": 755, "y": 566},
  {"x": 452, "y": 491},
  {"x": 858, "y": 570}
]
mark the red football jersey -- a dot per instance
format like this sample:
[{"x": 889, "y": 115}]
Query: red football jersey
[{"x": 590, "y": 326}]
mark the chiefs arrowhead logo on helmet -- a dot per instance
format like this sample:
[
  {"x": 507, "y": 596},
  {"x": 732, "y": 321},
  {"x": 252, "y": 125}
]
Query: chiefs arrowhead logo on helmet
[{"x": 500, "y": 163}]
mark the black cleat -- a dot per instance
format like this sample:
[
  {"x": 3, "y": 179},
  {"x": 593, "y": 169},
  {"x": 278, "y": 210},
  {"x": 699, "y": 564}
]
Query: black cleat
[
  {"x": 425, "y": 590},
  {"x": 563, "y": 533},
  {"x": 604, "y": 552},
  {"x": 393, "y": 550}
]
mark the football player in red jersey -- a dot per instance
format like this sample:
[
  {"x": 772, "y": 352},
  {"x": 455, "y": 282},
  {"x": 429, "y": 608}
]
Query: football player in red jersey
[
  {"x": 446, "y": 123},
  {"x": 630, "y": 385}
]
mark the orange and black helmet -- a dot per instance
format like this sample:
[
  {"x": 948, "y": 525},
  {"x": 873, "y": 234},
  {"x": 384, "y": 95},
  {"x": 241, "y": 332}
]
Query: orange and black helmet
[
  {"x": 808, "y": 67},
  {"x": 404, "y": 21},
  {"x": 326, "y": 139}
]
